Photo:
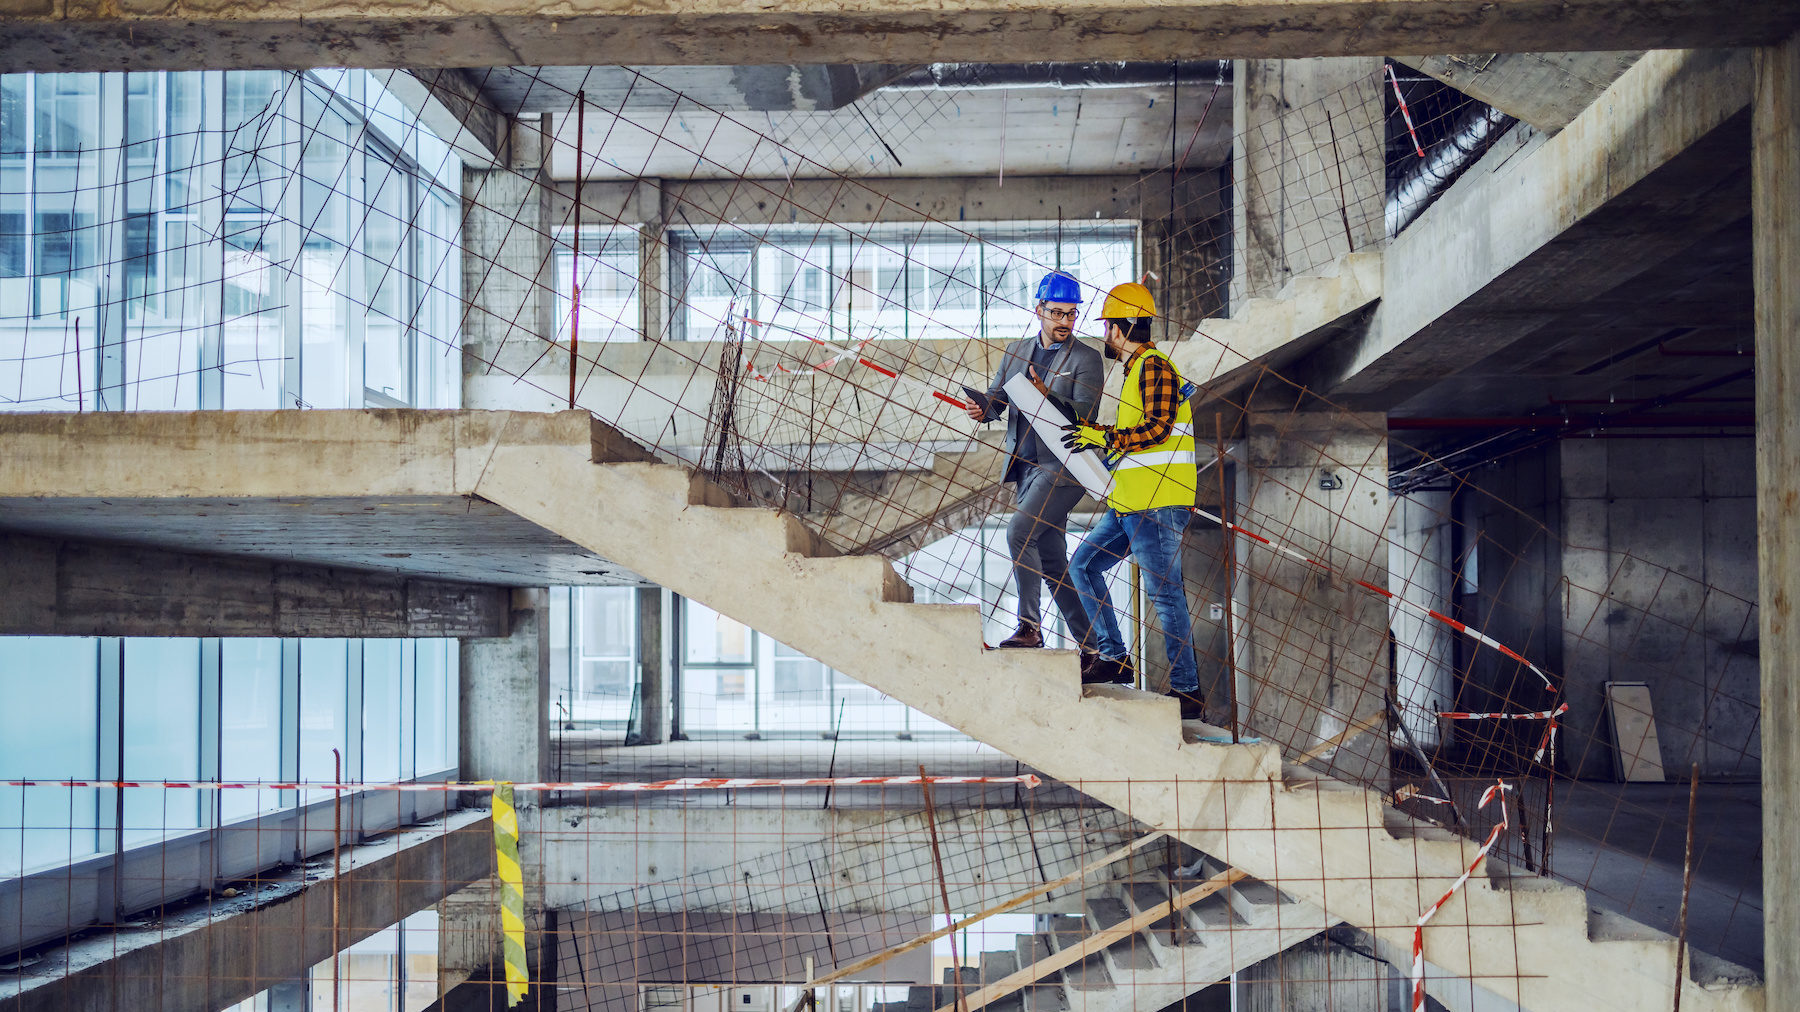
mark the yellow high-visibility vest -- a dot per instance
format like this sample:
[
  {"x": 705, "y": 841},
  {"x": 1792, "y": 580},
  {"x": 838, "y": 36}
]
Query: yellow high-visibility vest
[{"x": 1160, "y": 475}]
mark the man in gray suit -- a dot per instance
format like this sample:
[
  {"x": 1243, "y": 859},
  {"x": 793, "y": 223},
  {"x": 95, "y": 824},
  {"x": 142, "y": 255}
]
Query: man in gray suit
[{"x": 1037, "y": 536}]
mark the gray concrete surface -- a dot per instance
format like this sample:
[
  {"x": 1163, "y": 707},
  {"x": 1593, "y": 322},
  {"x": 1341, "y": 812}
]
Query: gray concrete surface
[
  {"x": 1775, "y": 161},
  {"x": 82, "y": 588},
  {"x": 215, "y": 952},
  {"x": 504, "y": 694},
  {"x": 39, "y": 36}
]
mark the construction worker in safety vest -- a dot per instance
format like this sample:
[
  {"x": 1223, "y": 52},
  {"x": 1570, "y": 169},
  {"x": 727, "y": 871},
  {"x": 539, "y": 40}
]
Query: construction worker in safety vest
[
  {"x": 1150, "y": 450},
  {"x": 1063, "y": 367}
]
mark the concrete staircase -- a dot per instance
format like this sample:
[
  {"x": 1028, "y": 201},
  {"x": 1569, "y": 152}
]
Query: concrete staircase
[
  {"x": 1199, "y": 945},
  {"x": 1328, "y": 844}
]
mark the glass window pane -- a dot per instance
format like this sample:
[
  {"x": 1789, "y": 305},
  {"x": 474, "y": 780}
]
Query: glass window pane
[
  {"x": 324, "y": 686},
  {"x": 161, "y": 719},
  {"x": 382, "y": 669},
  {"x": 387, "y": 278},
  {"x": 608, "y": 276},
  {"x": 712, "y": 638},
  {"x": 436, "y": 691},
  {"x": 48, "y": 729},
  {"x": 257, "y": 150},
  {"x": 325, "y": 380},
  {"x": 605, "y": 654},
  {"x": 249, "y": 723}
]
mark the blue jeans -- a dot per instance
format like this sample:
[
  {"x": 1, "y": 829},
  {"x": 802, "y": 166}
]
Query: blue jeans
[{"x": 1154, "y": 537}]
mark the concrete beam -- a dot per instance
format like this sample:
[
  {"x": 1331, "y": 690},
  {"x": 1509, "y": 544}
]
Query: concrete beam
[
  {"x": 949, "y": 198},
  {"x": 1633, "y": 181},
  {"x": 451, "y": 103},
  {"x": 222, "y": 952},
  {"x": 1547, "y": 90},
  {"x": 1775, "y": 159},
  {"x": 61, "y": 35},
  {"x": 75, "y": 588}
]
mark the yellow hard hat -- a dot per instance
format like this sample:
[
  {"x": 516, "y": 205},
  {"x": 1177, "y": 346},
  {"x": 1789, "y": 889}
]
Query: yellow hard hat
[{"x": 1127, "y": 301}]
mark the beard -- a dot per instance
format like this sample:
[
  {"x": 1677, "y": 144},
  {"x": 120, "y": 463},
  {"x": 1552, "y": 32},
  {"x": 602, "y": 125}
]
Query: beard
[{"x": 1111, "y": 352}]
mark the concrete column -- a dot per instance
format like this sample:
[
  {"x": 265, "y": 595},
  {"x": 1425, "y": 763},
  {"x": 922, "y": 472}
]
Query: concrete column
[
  {"x": 653, "y": 281},
  {"x": 505, "y": 698},
  {"x": 507, "y": 279},
  {"x": 1309, "y": 170},
  {"x": 653, "y": 683},
  {"x": 1775, "y": 214},
  {"x": 1312, "y": 645}
]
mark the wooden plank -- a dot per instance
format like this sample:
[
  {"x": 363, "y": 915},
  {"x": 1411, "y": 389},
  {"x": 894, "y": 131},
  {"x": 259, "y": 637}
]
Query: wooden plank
[
  {"x": 1636, "y": 748},
  {"x": 1011, "y": 904},
  {"x": 1096, "y": 941}
]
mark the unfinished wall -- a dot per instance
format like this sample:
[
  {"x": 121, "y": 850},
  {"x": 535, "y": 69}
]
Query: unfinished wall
[
  {"x": 1691, "y": 630},
  {"x": 1620, "y": 559}
]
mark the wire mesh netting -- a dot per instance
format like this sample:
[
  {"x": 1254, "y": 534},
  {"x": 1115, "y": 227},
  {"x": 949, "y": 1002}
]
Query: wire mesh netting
[{"x": 765, "y": 303}]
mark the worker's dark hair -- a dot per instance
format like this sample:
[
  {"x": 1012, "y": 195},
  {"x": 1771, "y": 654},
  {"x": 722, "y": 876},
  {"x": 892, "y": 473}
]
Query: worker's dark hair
[{"x": 1136, "y": 328}]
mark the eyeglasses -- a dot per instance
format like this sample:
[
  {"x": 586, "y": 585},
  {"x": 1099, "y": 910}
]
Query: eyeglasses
[{"x": 1061, "y": 315}]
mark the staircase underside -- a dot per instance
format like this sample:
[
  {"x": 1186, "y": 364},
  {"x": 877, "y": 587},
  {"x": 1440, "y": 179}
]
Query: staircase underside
[{"x": 1320, "y": 841}]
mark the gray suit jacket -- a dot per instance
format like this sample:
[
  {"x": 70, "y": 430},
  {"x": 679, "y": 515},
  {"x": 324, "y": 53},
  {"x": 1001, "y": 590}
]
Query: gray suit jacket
[{"x": 1077, "y": 374}]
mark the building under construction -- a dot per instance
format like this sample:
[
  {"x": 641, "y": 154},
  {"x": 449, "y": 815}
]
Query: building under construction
[{"x": 491, "y": 516}]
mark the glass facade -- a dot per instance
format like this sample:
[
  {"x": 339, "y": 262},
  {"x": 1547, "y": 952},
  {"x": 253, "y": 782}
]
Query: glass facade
[
  {"x": 230, "y": 239},
  {"x": 919, "y": 282},
  {"x": 202, "y": 709}
]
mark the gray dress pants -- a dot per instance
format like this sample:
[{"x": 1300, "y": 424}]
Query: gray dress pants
[{"x": 1037, "y": 536}]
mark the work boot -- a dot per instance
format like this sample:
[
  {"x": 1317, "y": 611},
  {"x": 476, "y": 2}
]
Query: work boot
[
  {"x": 1193, "y": 707},
  {"x": 1090, "y": 666},
  {"x": 1118, "y": 670},
  {"x": 1026, "y": 636},
  {"x": 1100, "y": 670}
]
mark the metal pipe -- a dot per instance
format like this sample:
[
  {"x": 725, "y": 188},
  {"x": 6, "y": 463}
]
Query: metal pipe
[
  {"x": 1094, "y": 74},
  {"x": 1421, "y": 182}
]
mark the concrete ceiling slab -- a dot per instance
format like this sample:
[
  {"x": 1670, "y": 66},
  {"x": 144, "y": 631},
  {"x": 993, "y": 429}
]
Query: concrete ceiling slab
[
  {"x": 914, "y": 132},
  {"x": 36, "y": 35},
  {"x": 462, "y": 538}
]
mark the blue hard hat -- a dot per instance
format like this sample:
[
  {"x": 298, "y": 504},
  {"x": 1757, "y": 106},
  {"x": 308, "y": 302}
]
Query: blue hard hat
[{"x": 1058, "y": 287}]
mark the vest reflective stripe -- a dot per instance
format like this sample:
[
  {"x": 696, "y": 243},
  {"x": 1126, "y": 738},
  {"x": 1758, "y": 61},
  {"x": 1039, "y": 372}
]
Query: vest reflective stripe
[
  {"x": 1154, "y": 458},
  {"x": 1161, "y": 475}
]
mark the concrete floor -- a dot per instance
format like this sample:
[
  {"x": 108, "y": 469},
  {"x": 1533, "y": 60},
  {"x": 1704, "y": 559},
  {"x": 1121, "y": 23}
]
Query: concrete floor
[{"x": 1622, "y": 843}]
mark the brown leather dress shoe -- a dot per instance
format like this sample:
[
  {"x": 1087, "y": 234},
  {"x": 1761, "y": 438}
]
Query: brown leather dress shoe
[{"x": 1026, "y": 636}]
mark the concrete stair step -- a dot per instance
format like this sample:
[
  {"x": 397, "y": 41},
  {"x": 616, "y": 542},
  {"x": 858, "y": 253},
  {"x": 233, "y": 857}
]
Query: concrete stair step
[
  {"x": 1090, "y": 974},
  {"x": 1170, "y": 930},
  {"x": 1215, "y": 913},
  {"x": 995, "y": 967},
  {"x": 1047, "y": 995},
  {"x": 1129, "y": 953}
]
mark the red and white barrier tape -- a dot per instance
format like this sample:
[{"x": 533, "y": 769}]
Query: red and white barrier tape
[
  {"x": 683, "y": 784},
  {"x": 1404, "y": 111},
  {"x": 1544, "y": 743},
  {"x": 1418, "y": 949}
]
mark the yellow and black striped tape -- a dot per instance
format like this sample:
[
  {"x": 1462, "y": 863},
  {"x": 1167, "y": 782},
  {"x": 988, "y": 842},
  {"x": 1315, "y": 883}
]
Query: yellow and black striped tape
[{"x": 512, "y": 892}]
